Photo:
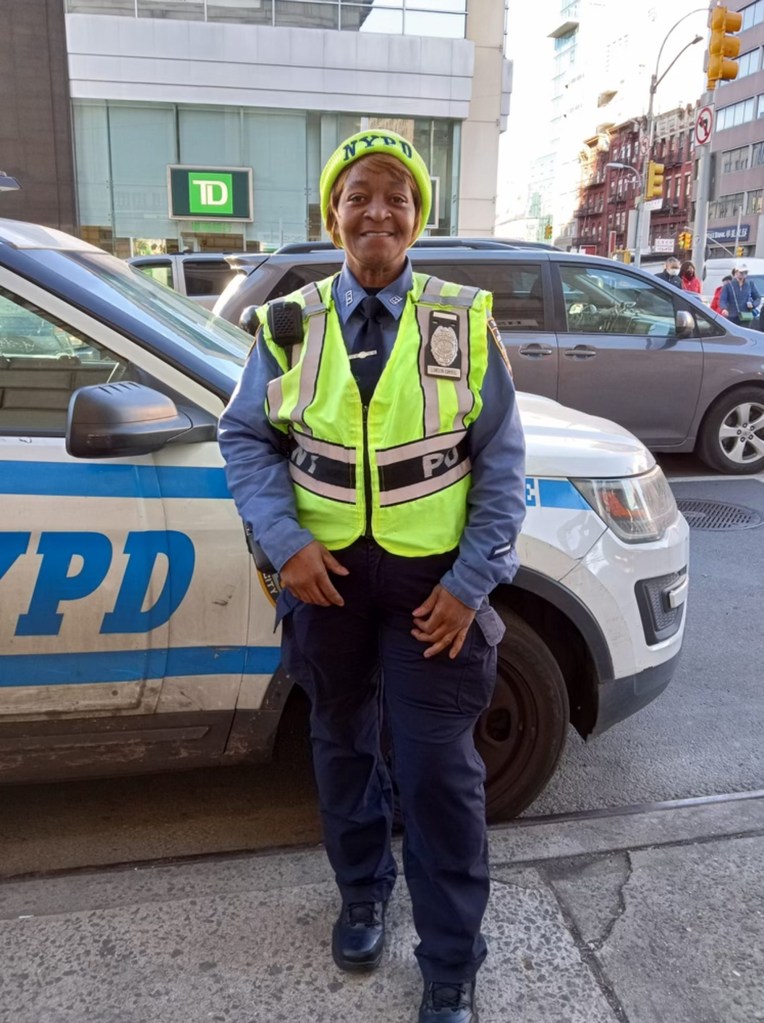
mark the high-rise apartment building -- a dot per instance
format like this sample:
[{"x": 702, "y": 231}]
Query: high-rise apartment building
[{"x": 735, "y": 211}]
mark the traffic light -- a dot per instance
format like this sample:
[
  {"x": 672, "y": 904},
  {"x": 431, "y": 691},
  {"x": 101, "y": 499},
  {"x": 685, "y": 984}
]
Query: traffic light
[
  {"x": 739, "y": 250},
  {"x": 548, "y": 231},
  {"x": 722, "y": 47},
  {"x": 685, "y": 240},
  {"x": 654, "y": 188}
]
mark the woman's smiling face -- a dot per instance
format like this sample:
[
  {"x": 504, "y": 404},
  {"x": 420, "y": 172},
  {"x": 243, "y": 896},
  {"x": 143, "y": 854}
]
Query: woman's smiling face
[{"x": 376, "y": 220}]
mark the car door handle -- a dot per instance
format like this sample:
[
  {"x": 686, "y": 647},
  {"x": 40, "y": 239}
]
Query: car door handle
[
  {"x": 535, "y": 351},
  {"x": 581, "y": 352}
]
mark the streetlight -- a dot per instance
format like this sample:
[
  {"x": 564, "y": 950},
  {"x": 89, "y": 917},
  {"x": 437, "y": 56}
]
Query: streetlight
[
  {"x": 655, "y": 81},
  {"x": 7, "y": 183}
]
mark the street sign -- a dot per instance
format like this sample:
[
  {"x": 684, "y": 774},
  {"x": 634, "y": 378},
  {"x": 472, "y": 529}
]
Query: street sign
[
  {"x": 663, "y": 245},
  {"x": 652, "y": 204},
  {"x": 703, "y": 126},
  {"x": 210, "y": 193}
]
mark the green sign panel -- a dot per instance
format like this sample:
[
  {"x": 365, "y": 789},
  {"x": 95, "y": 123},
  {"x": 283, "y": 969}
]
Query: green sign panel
[{"x": 210, "y": 193}]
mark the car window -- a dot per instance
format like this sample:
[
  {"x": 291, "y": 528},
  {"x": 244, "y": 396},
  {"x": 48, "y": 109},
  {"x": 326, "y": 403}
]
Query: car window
[
  {"x": 206, "y": 277},
  {"x": 160, "y": 272},
  {"x": 602, "y": 301},
  {"x": 298, "y": 276},
  {"x": 517, "y": 288},
  {"x": 42, "y": 362}
]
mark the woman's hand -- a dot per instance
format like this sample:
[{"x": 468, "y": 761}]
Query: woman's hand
[
  {"x": 442, "y": 621},
  {"x": 306, "y": 575}
]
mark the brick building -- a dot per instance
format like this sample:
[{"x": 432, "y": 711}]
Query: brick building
[{"x": 606, "y": 214}]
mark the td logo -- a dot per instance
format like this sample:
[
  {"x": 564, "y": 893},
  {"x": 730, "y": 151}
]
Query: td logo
[{"x": 210, "y": 193}]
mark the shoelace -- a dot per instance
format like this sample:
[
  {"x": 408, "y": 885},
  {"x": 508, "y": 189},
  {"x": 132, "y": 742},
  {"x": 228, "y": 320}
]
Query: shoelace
[
  {"x": 449, "y": 996},
  {"x": 362, "y": 913}
]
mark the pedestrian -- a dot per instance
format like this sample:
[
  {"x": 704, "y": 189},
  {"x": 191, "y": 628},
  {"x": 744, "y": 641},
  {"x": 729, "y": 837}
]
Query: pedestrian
[
  {"x": 717, "y": 293},
  {"x": 670, "y": 272},
  {"x": 687, "y": 277},
  {"x": 377, "y": 455},
  {"x": 739, "y": 299}
]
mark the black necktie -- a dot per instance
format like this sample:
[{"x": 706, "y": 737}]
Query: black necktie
[{"x": 366, "y": 357}]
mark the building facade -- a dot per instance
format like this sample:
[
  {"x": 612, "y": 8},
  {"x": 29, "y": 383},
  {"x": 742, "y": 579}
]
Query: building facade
[
  {"x": 201, "y": 124},
  {"x": 586, "y": 71},
  {"x": 735, "y": 212},
  {"x": 606, "y": 215}
]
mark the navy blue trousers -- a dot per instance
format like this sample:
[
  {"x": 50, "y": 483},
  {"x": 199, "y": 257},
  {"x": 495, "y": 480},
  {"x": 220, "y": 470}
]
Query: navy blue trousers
[{"x": 355, "y": 661}]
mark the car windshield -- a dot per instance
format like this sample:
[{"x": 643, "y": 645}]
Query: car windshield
[{"x": 134, "y": 294}]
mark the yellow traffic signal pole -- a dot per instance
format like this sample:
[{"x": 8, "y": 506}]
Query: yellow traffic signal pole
[
  {"x": 721, "y": 47},
  {"x": 655, "y": 81}
]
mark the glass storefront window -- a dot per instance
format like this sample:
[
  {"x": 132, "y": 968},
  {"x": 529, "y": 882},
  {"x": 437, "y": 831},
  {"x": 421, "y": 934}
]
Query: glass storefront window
[{"x": 123, "y": 152}]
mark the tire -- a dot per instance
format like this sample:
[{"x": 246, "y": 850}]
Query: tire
[
  {"x": 731, "y": 438},
  {"x": 522, "y": 734}
]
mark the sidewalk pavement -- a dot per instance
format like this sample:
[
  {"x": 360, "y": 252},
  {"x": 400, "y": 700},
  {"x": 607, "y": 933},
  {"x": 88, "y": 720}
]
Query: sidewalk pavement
[{"x": 639, "y": 917}]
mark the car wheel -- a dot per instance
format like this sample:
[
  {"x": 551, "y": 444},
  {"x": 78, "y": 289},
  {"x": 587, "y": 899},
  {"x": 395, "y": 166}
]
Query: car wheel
[
  {"x": 522, "y": 734},
  {"x": 732, "y": 435}
]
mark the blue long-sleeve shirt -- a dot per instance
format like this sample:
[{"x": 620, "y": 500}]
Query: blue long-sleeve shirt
[
  {"x": 258, "y": 473},
  {"x": 734, "y": 297}
]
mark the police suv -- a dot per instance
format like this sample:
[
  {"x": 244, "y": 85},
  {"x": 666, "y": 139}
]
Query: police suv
[{"x": 136, "y": 633}]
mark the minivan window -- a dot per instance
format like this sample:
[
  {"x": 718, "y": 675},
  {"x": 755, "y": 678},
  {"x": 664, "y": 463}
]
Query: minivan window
[
  {"x": 599, "y": 300},
  {"x": 299, "y": 276},
  {"x": 517, "y": 288},
  {"x": 207, "y": 277}
]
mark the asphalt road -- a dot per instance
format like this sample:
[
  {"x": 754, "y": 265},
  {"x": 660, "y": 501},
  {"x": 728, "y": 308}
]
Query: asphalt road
[{"x": 703, "y": 736}]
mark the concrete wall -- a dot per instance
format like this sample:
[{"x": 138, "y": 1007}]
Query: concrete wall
[
  {"x": 151, "y": 60},
  {"x": 35, "y": 126},
  {"x": 480, "y": 131}
]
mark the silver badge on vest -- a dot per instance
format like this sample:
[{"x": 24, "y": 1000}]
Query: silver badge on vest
[{"x": 443, "y": 357}]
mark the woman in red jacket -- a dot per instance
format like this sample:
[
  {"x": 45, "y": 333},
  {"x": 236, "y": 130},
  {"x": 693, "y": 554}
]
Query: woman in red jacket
[
  {"x": 717, "y": 295},
  {"x": 687, "y": 274}
]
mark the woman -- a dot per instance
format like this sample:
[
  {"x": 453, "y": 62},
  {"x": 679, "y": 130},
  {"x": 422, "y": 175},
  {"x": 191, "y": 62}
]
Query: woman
[
  {"x": 375, "y": 452},
  {"x": 687, "y": 275},
  {"x": 717, "y": 294},
  {"x": 740, "y": 298}
]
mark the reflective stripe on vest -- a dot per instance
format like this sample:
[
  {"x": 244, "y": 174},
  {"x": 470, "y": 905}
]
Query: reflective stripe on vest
[
  {"x": 461, "y": 300},
  {"x": 323, "y": 468},
  {"x": 314, "y": 314},
  {"x": 422, "y": 467}
]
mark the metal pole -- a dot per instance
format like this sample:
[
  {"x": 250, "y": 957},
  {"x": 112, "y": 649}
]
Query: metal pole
[
  {"x": 643, "y": 181},
  {"x": 737, "y": 228},
  {"x": 702, "y": 195}
]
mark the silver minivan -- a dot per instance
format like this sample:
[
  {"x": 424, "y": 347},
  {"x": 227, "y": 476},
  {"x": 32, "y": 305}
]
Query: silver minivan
[{"x": 596, "y": 335}]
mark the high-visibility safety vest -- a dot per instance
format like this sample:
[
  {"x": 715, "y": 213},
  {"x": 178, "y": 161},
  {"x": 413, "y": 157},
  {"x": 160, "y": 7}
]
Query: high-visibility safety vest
[{"x": 398, "y": 470}]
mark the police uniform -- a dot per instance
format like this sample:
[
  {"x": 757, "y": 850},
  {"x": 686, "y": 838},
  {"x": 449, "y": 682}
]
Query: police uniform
[{"x": 423, "y": 485}]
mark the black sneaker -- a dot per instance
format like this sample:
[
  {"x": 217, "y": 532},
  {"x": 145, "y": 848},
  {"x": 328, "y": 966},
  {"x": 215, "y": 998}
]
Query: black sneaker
[
  {"x": 358, "y": 936},
  {"x": 448, "y": 1003}
]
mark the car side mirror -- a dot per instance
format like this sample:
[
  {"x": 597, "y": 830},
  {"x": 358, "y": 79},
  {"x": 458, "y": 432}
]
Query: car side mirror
[
  {"x": 685, "y": 323},
  {"x": 123, "y": 418}
]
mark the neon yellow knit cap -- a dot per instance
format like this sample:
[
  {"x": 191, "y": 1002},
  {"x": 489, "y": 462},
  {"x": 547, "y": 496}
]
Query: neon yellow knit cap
[{"x": 382, "y": 143}]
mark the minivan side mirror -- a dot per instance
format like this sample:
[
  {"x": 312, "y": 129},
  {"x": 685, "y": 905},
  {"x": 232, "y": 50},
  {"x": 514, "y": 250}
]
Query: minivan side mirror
[{"x": 685, "y": 323}]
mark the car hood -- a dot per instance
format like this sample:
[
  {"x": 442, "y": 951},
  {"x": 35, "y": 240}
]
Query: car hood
[{"x": 584, "y": 446}]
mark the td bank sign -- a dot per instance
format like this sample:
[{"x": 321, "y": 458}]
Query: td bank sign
[{"x": 210, "y": 193}]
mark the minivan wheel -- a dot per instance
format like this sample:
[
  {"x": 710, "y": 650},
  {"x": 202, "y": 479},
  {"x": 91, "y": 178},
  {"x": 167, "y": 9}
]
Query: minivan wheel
[
  {"x": 522, "y": 734},
  {"x": 731, "y": 438}
]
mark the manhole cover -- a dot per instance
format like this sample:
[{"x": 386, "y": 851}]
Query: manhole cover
[{"x": 717, "y": 515}]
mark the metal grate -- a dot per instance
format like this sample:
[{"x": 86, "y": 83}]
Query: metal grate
[{"x": 718, "y": 515}]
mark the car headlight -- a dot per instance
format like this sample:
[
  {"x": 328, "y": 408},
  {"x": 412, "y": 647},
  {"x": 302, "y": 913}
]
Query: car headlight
[{"x": 638, "y": 509}]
